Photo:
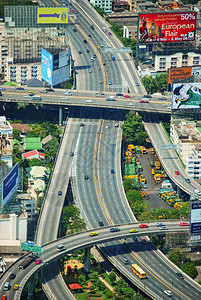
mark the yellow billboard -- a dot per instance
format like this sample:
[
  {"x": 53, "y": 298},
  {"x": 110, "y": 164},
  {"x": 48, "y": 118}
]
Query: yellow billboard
[{"x": 50, "y": 15}]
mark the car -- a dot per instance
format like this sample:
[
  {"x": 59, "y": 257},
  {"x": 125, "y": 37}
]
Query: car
[
  {"x": 32, "y": 92},
  {"x": 49, "y": 90},
  {"x": 137, "y": 84},
  {"x": 119, "y": 94},
  {"x": 107, "y": 126},
  {"x": 72, "y": 10},
  {"x": 16, "y": 287},
  {"x": 89, "y": 101},
  {"x": 197, "y": 192},
  {"x": 180, "y": 275},
  {"x": 86, "y": 177},
  {"x": 147, "y": 96},
  {"x": 160, "y": 224},
  {"x": 93, "y": 233},
  {"x": 94, "y": 56},
  {"x": 87, "y": 50},
  {"x": 143, "y": 226},
  {"x": 176, "y": 172},
  {"x": 144, "y": 185},
  {"x": 187, "y": 180},
  {"x": 64, "y": 98},
  {"x": 85, "y": 41},
  {"x": 116, "y": 125},
  {"x": 12, "y": 276},
  {"x": 101, "y": 82},
  {"x": 98, "y": 47},
  {"x": 20, "y": 88},
  {"x": 144, "y": 101},
  {"x": 184, "y": 224},
  {"x": 112, "y": 171},
  {"x": 90, "y": 71},
  {"x": 92, "y": 59},
  {"x": 163, "y": 228},
  {"x": 27, "y": 96},
  {"x": 135, "y": 239},
  {"x": 101, "y": 45},
  {"x": 110, "y": 82},
  {"x": 68, "y": 93},
  {"x": 101, "y": 223},
  {"x": 80, "y": 52},
  {"x": 90, "y": 36},
  {"x": 125, "y": 261},
  {"x": 99, "y": 68},
  {"x": 72, "y": 154},
  {"x": 2, "y": 89},
  {"x": 114, "y": 229},
  {"x": 169, "y": 293},
  {"x": 143, "y": 241},
  {"x": 162, "y": 98},
  {"x": 126, "y": 96},
  {"x": 38, "y": 261},
  {"x": 81, "y": 124},
  {"x": 61, "y": 248},
  {"x": 59, "y": 193},
  {"x": 133, "y": 230},
  {"x": 75, "y": 30},
  {"x": 109, "y": 33}
]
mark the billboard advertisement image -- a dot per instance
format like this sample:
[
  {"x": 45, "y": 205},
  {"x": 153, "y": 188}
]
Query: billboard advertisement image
[
  {"x": 183, "y": 72},
  {"x": 186, "y": 95},
  {"x": 52, "y": 15},
  {"x": 10, "y": 184},
  {"x": 166, "y": 27},
  {"x": 46, "y": 66},
  {"x": 196, "y": 218}
]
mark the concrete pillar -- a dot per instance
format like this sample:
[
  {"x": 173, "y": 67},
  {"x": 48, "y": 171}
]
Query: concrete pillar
[
  {"x": 13, "y": 226},
  {"x": 31, "y": 287},
  {"x": 87, "y": 259},
  {"x": 178, "y": 191},
  {"x": 60, "y": 115}
]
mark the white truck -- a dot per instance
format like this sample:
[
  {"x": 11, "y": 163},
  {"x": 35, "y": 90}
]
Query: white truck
[{"x": 111, "y": 98}]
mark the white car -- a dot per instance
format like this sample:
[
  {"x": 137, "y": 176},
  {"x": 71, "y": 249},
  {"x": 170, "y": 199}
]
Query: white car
[
  {"x": 169, "y": 293},
  {"x": 107, "y": 126},
  {"x": 27, "y": 96},
  {"x": 89, "y": 101},
  {"x": 197, "y": 192},
  {"x": 68, "y": 93},
  {"x": 65, "y": 98}
]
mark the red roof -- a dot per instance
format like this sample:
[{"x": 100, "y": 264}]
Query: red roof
[
  {"x": 30, "y": 153},
  {"x": 75, "y": 286},
  {"x": 21, "y": 127}
]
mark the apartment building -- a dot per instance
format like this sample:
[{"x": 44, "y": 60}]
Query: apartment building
[
  {"x": 3, "y": 48},
  {"x": 130, "y": 32},
  {"x": 106, "y": 5}
]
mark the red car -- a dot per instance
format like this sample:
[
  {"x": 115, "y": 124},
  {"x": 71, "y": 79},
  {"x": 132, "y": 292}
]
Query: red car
[
  {"x": 38, "y": 261},
  {"x": 177, "y": 172},
  {"x": 184, "y": 224},
  {"x": 143, "y": 241},
  {"x": 144, "y": 101},
  {"x": 143, "y": 226},
  {"x": 72, "y": 10},
  {"x": 126, "y": 96}
]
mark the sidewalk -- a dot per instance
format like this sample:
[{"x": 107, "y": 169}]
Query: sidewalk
[{"x": 106, "y": 284}]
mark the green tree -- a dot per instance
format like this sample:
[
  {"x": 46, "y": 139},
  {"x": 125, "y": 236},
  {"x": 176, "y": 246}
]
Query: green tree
[
  {"x": 82, "y": 280},
  {"x": 190, "y": 269},
  {"x": 16, "y": 134},
  {"x": 112, "y": 277},
  {"x": 128, "y": 184},
  {"x": 35, "y": 162},
  {"x": 162, "y": 82},
  {"x": 177, "y": 256},
  {"x": 93, "y": 276},
  {"x": 141, "y": 138}
]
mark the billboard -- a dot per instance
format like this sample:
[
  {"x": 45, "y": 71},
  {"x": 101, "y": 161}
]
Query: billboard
[
  {"x": 52, "y": 15},
  {"x": 186, "y": 95},
  {"x": 196, "y": 218},
  {"x": 55, "y": 68},
  {"x": 166, "y": 27},
  {"x": 10, "y": 184},
  {"x": 183, "y": 72},
  {"x": 46, "y": 66}
]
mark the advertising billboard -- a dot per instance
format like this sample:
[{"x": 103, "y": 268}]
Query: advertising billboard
[
  {"x": 186, "y": 95},
  {"x": 183, "y": 72},
  {"x": 46, "y": 66},
  {"x": 52, "y": 15},
  {"x": 196, "y": 218},
  {"x": 10, "y": 184},
  {"x": 166, "y": 27}
]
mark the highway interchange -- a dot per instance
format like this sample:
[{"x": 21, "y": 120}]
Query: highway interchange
[{"x": 97, "y": 151}]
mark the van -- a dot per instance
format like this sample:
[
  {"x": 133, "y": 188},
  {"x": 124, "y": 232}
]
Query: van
[
  {"x": 7, "y": 286},
  {"x": 61, "y": 248}
]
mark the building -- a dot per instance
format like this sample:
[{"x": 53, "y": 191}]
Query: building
[
  {"x": 119, "y": 6},
  {"x": 6, "y": 142},
  {"x": 186, "y": 135},
  {"x": 28, "y": 205},
  {"x": 3, "y": 48},
  {"x": 130, "y": 32},
  {"x": 22, "y": 128},
  {"x": 106, "y": 5}
]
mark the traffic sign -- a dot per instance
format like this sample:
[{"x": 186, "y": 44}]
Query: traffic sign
[
  {"x": 30, "y": 243},
  {"x": 168, "y": 147},
  {"x": 33, "y": 248}
]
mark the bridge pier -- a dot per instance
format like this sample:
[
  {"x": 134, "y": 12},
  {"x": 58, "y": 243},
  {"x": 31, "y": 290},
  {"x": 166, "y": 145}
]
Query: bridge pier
[
  {"x": 179, "y": 191},
  {"x": 87, "y": 262},
  {"x": 31, "y": 287},
  {"x": 60, "y": 115}
]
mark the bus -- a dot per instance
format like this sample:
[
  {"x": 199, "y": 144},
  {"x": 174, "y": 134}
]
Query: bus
[
  {"x": 27, "y": 261},
  {"x": 138, "y": 271}
]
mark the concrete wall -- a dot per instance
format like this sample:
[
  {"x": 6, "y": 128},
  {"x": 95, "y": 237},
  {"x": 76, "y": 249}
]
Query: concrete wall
[{"x": 13, "y": 228}]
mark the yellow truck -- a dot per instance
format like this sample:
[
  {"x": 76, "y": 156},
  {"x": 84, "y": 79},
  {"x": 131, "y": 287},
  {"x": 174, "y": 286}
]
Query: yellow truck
[
  {"x": 152, "y": 150},
  {"x": 142, "y": 179},
  {"x": 157, "y": 178},
  {"x": 157, "y": 165},
  {"x": 143, "y": 150},
  {"x": 131, "y": 148}
]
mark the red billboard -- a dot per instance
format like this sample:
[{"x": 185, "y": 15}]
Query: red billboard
[{"x": 166, "y": 27}]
